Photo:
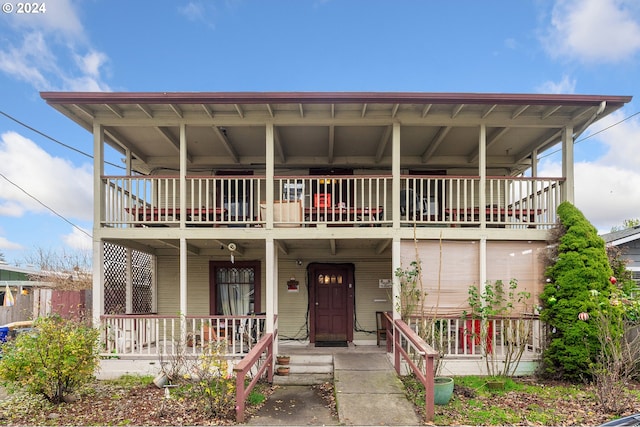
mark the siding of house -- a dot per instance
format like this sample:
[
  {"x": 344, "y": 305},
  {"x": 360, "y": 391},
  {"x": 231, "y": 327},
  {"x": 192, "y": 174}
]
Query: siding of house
[
  {"x": 292, "y": 306},
  {"x": 449, "y": 268},
  {"x": 632, "y": 253}
]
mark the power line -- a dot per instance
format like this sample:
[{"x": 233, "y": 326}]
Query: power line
[
  {"x": 593, "y": 134},
  {"x": 31, "y": 128},
  {"x": 47, "y": 207}
]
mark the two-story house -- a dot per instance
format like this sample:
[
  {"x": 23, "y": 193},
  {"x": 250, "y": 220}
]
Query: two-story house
[{"x": 289, "y": 212}]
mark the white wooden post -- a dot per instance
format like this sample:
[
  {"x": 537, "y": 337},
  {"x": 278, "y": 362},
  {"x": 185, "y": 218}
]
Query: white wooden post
[{"x": 98, "y": 216}]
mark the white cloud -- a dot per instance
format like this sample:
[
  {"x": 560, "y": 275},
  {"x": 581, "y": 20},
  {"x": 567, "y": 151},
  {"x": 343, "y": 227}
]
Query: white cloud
[
  {"x": 29, "y": 62},
  {"x": 596, "y": 31},
  {"x": 77, "y": 239},
  {"x": 199, "y": 11},
  {"x": 622, "y": 140},
  {"x": 7, "y": 244},
  {"x": 566, "y": 85},
  {"x": 60, "y": 18},
  {"x": 91, "y": 63},
  {"x": 607, "y": 189},
  {"x": 53, "y": 181},
  {"x": 41, "y": 47}
]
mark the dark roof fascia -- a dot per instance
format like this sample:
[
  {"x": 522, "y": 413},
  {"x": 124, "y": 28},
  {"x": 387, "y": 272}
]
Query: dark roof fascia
[
  {"x": 622, "y": 236},
  {"x": 327, "y": 97}
]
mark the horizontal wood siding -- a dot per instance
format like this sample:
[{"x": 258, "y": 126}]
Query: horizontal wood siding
[
  {"x": 292, "y": 306},
  {"x": 169, "y": 286},
  {"x": 370, "y": 297},
  {"x": 197, "y": 285}
]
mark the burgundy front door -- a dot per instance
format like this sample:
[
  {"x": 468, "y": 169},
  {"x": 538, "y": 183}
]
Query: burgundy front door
[{"x": 331, "y": 296}]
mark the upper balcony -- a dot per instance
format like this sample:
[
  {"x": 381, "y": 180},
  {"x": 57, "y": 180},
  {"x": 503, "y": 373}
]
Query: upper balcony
[
  {"x": 338, "y": 158},
  {"x": 336, "y": 200}
]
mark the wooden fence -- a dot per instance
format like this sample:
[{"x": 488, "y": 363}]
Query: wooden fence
[{"x": 41, "y": 302}]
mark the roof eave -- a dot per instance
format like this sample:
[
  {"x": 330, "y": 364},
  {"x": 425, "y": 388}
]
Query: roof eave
[{"x": 326, "y": 97}]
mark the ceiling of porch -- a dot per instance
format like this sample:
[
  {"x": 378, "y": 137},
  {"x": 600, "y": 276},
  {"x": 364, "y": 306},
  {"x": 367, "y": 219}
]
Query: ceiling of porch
[
  {"x": 227, "y": 130},
  {"x": 250, "y": 247}
]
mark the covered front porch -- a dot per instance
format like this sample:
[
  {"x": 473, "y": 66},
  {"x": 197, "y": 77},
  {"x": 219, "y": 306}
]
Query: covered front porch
[{"x": 158, "y": 338}]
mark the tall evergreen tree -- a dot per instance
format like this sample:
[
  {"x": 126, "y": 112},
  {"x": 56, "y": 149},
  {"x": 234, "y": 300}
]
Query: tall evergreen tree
[{"x": 577, "y": 281}]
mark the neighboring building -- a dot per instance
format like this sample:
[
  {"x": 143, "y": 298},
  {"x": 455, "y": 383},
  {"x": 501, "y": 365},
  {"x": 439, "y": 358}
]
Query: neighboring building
[
  {"x": 303, "y": 205},
  {"x": 17, "y": 305},
  {"x": 628, "y": 241},
  {"x": 20, "y": 280}
]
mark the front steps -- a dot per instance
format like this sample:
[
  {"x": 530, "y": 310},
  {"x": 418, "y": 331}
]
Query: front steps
[{"x": 307, "y": 369}]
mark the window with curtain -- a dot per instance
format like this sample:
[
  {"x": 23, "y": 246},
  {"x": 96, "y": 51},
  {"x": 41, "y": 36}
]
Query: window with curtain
[{"x": 235, "y": 289}]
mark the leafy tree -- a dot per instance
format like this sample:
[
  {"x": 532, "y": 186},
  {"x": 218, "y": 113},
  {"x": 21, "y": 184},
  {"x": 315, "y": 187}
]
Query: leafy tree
[
  {"x": 577, "y": 282},
  {"x": 627, "y": 223},
  {"x": 66, "y": 270},
  {"x": 53, "y": 360}
]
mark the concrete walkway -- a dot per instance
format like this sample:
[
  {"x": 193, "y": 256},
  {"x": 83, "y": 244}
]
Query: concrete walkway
[{"x": 368, "y": 392}]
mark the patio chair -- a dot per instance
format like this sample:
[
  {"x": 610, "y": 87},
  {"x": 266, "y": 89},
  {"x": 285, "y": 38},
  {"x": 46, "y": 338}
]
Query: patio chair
[{"x": 381, "y": 327}]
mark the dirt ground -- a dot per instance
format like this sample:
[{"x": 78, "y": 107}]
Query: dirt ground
[{"x": 109, "y": 404}]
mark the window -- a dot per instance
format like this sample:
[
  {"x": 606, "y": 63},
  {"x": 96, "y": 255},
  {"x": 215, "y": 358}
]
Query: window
[{"x": 235, "y": 288}]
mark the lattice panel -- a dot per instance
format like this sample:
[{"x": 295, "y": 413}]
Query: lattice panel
[
  {"x": 115, "y": 279},
  {"x": 115, "y": 284},
  {"x": 142, "y": 277}
]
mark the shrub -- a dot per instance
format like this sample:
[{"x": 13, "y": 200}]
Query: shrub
[
  {"x": 496, "y": 301},
  {"x": 578, "y": 265},
  {"x": 214, "y": 384},
  {"x": 53, "y": 360}
]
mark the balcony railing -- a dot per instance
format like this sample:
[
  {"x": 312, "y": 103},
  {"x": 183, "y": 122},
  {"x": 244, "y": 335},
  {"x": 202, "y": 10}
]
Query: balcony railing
[
  {"x": 454, "y": 201},
  {"x": 154, "y": 336}
]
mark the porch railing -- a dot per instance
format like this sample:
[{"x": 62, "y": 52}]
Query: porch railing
[
  {"x": 455, "y": 336},
  {"x": 151, "y": 336},
  {"x": 331, "y": 200}
]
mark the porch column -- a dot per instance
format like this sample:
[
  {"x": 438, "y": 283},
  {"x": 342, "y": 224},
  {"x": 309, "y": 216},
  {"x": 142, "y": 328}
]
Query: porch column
[
  {"x": 98, "y": 215},
  {"x": 482, "y": 171},
  {"x": 183, "y": 288},
  {"x": 269, "y": 172},
  {"x": 128, "y": 251},
  {"x": 395, "y": 176},
  {"x": 482, "y": 258},
  {"x": 395, "y": 216},
  {"x": 567, "y": 164},
  {"x": 482, "y": 202},
  {"x": 271, "y": 276},
  {"x": 183, "y": 240},
  {"x": 395, "y": 265}
]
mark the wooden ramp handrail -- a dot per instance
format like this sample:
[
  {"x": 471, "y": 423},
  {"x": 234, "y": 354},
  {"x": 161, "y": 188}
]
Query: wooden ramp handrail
[
  {"x": 264, "y": 345},
  {"x": 403, "y": 336}
]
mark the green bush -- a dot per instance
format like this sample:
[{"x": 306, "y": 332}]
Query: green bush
[
  {"x": 578, "y": 267},
  {"x": 53, "y": 360},
  {"x": 214, "y": 382}
]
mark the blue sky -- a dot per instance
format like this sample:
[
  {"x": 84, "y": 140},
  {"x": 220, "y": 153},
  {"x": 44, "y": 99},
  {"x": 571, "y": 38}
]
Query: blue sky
[{"x": 524, "y": 46}]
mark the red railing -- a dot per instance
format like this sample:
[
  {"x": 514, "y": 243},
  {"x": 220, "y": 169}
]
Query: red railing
[
  {"x": 261, "y": 355},
  {"x": 419, "y": 356}
]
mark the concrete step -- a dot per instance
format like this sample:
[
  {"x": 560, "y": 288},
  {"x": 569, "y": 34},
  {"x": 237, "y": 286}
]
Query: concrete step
[{"x": 307, "y": 370}]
